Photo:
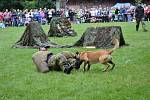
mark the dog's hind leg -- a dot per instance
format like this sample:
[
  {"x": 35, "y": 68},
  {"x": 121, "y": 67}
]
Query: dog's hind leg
[
  {"x": 113, "y": 65},
  {"x": 88, "y": 66},
  {"x": 107, "y": 66}
]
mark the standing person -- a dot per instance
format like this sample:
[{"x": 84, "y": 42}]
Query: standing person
[
  {"x": 7, "y": 18},
  {"x": 116, "y": 14},
  {"x": 139, "y": 15},
  {"x": 50, "y": 15},
  {"x": 14, "y": 18},
  {"x": 148, "y": 13},
  {"x": 71, "y": 15},
  {"x": 2, "y": 25}
]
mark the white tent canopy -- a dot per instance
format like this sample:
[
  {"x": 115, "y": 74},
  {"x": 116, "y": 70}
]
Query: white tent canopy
[{"x": 119, "y": 5}]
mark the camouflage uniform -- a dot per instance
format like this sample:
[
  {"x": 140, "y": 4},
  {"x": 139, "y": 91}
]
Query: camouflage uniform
[
  {"x": 64, "y": 61},
  {"x": 72, "y": 59},
  {"x": 56, "y": 62}
]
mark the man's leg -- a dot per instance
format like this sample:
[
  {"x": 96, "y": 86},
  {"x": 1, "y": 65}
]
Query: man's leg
[
  {"x": 64, "y": 64},
  {"x": 137, "y": 23},
  {"x": 143, "y": 25}
]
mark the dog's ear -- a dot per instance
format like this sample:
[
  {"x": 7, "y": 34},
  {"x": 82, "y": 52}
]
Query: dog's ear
[{"x": 77, "y": 53}]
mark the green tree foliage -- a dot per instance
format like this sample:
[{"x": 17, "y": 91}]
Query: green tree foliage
[
  {"x": 23, "y": 4},
  {"x": 45, "y": 3},
  {"x": 28, "y": 4},
  {"x": 138, "y": 1},
  {"x": 10, "y": 4}
]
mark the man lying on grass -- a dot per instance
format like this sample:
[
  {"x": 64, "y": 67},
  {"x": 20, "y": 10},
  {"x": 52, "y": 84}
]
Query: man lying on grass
[{"x": 64, "y": 61}]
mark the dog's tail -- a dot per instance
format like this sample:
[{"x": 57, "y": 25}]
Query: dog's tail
[{"x": 116, "y": 42}]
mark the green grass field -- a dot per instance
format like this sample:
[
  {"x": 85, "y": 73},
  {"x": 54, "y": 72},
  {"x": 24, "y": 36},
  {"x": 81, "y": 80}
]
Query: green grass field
[{"x": 130, "y": 79}]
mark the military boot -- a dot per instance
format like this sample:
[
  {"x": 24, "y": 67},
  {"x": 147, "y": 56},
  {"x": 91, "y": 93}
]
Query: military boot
[{"x": 67, "y": 68}]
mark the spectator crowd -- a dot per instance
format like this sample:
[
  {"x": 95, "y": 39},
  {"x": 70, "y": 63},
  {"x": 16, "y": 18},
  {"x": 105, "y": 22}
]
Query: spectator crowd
[{"x": 95, "y": 14}]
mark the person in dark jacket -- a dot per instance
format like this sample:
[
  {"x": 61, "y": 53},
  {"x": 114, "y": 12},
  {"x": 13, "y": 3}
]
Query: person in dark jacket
[{"x": 139, "y": 15}]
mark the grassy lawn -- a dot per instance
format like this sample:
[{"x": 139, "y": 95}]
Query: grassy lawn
[{"x": 130, "y": 79}]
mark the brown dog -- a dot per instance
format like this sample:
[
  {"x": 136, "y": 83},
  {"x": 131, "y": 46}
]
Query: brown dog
[{"x": 101, "y": 56}]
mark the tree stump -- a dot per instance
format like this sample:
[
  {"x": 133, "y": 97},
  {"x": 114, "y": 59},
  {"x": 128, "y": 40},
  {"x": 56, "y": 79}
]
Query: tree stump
[
  {"x": 60, "y": 27},
  {"x": 101, "y": 37},
  {"x": 34, "y": 37}
]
